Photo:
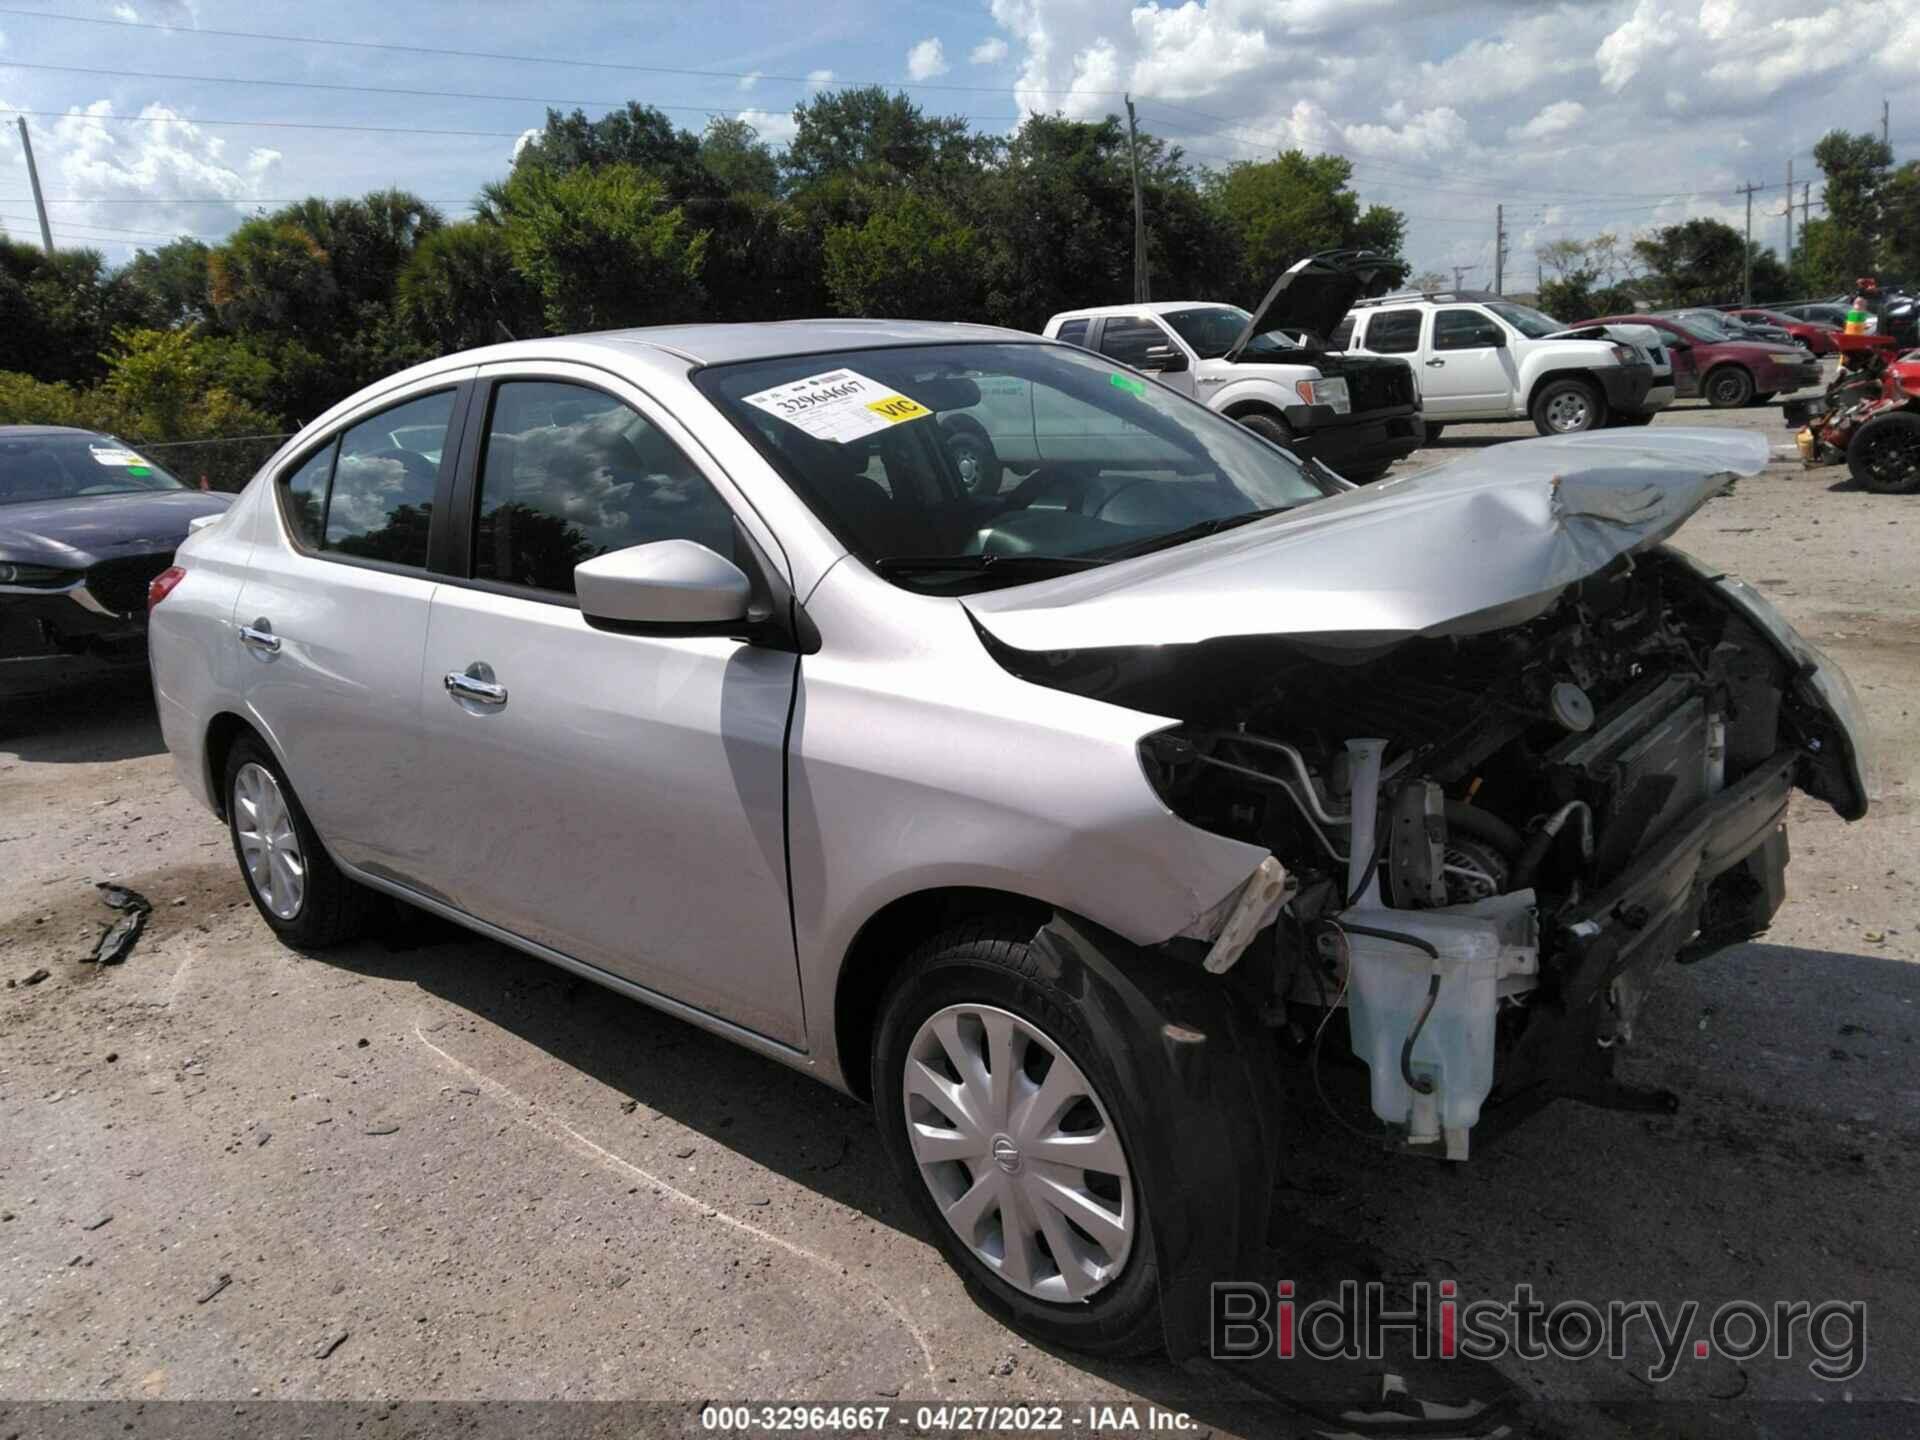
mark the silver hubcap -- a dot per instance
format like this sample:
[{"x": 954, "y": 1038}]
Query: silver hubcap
[
  {"x": 1568, "y": 411},
  {"x": 269, "y": 845},
  {"x": 1018, "y": 1152}
]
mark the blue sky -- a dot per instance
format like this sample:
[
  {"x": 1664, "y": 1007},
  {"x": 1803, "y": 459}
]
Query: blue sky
[{"x": 1618, "y": 114}]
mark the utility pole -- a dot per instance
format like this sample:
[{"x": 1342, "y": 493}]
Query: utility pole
[
  {"x": 1499, "y": 249},
  {"x": 1141, "y": 290},
  {"x": 33, "y": 179},
  {"x": 1789, "y": 216},
  {"x": 1884, "y": 140},
  {"x": 1458, "y": 272},
  {"x": 1746, "y": 251}
]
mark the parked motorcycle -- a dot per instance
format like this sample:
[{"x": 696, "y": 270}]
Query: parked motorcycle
[{"x": 1869, "y": 416}]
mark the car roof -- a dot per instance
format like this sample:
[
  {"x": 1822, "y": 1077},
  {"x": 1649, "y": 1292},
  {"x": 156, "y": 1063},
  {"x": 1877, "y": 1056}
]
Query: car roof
[
  {"x": 35, "y": 432},
  {"x": 1145, "y": 307},
  {"x": 1429, "y": 297}
]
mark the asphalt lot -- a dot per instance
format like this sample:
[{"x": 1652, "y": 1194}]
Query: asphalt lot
[{"x": 427, "y": 1167}]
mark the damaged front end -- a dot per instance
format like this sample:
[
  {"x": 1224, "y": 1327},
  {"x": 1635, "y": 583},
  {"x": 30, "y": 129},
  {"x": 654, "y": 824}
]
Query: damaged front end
[{"x": 1488, "y": 834}]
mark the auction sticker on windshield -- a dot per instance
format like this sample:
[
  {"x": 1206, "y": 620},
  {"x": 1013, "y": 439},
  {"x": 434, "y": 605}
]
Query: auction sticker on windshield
[
  {"x": 114, "y": 457},
  {"x": 840, "y": 405}
]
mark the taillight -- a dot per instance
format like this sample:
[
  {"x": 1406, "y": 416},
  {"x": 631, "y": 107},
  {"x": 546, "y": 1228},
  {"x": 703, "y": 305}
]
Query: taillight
[{"x": 162, "y": 585}]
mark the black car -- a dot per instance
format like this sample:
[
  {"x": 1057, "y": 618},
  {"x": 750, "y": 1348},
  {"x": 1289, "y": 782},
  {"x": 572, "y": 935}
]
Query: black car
[{"x": 86, "y": 522}]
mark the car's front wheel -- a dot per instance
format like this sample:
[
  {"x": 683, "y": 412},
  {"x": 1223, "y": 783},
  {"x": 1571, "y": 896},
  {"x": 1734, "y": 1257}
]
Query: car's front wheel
[
  {"x": 295, "y": 885},
  {"x": 1728, "y": 388},
  {"x": 1884, "y": 454},
  {"x": 997, "y": 1098},
  {"x": 1568, "y": 407}
]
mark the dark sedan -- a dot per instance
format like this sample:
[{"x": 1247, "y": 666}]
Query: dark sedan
[
  {"x": 1815, "y": 335},
  {"x": 86, "y": 522}
]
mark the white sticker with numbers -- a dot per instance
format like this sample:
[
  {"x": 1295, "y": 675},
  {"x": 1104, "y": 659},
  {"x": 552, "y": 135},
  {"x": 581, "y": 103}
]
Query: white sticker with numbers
[{"x": 840, "y": 405}]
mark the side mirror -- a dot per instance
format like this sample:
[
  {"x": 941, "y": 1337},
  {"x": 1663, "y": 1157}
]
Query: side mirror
[
  {"x": 1165, "y": 359},
  {"x": 1498, "y": 340},
  {"x": 668, "y": 587}
]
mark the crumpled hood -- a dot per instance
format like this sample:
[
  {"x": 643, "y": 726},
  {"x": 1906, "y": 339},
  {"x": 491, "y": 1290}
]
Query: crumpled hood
[
  {"x": 1476, "y": 544},
  {"x": 81, "y": 530}
]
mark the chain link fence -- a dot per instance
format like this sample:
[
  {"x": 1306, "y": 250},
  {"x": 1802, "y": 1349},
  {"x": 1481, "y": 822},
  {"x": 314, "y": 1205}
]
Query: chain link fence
[{"x": 223, "y": 464}]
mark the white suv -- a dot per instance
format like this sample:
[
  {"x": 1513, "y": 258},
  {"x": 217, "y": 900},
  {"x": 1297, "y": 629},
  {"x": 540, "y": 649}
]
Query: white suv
[
  {"x": 1481, "y": 358},
  {"x": 1273, "y": 370}
]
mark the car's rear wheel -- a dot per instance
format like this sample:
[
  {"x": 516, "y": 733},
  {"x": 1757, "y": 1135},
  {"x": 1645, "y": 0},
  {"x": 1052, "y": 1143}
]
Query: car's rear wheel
[
  {"x": 1568, "y": 407},
  {"x": 295, "y": 886},
  {"x": 1728, "y": 388},
  {"x": 997, "y": 1096},
  {"x": 1884, "y": 454}
]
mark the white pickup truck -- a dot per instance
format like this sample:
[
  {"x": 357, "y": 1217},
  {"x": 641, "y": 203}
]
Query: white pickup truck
[
  {"x": 1273, "y": 370},
  {"x": 1482, "y": 358}
]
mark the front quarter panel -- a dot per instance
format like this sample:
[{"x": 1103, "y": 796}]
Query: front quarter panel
[{"x": 918, "y": 764}]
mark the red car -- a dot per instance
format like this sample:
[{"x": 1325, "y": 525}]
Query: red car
[
  {"x": 1817, "y": 337},
  {"x": 1727, "y": 373}
]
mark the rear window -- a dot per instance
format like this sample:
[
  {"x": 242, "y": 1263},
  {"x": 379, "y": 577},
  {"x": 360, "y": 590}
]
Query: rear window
[{"x": 1074, "y": 332}]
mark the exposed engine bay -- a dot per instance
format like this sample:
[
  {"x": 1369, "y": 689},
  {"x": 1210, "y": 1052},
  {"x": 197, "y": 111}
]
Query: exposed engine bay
[{"x": 1483, "y": 844}]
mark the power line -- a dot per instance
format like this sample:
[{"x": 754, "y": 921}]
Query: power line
[
  {"x": 411, "y": 91},
  {"x": 264, "y": 124}
]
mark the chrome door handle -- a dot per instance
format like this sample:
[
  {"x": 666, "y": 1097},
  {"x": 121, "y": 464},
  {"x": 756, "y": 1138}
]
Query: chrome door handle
[
  {"x": 260, "y": 635},
  {"x": 1436, "y": 362},
  {"x": 476, "y": 685}
]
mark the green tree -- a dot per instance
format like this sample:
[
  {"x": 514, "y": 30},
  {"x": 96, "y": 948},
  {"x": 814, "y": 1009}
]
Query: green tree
[
  {"x": 1900, "y": 224},
  {"x": 461, "y": 288},
  {"x": 169, "y": 284},
  {"x": 913, "y": 259},
  {"x": 737, "y": 159},
  {"x": 864, "y": 132},
  {"x": 1699, "y": 262},
  {"x": 603, "y": 247},
  {"x": 59, "y": 311},
  {"x": 163, "y": 388},
  {"x": 1283, "y": 209},
  {"x": 1855, "y": 167},
  {"x": 636, "y": 135}
]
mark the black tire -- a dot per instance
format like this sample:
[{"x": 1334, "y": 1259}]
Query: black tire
[
  {"x": 1569, "y": 397},
  {"x": 1884, "y": 454},
  {"x": 333, "y": 908},
  {"x": 987, "y": 963},
  {"x": 1362, "y": 474},
  {"x": 1728, "y": 387},
  {"x": 1434, "y": 432},
  {"x": 1268, "y": 428},
  {"x": 974, "y": 459}
]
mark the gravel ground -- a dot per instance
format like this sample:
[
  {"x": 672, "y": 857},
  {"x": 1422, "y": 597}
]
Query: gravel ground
[{"x": 431, "y": 1168}]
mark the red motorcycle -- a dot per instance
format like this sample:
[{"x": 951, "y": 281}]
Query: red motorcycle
[{"x": 1868, "y": 417}]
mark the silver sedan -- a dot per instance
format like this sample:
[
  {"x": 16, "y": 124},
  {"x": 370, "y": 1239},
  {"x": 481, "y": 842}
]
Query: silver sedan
[{"x": 979, "y": 727}]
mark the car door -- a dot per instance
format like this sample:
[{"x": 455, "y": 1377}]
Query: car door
[
  {"x": 1465, "y": 366},
  {"x": 1680, "y": 351},
  {"x": 1397, "y": 332},
  {"x": 333, "y": 620},
  {"x": 614, "y": 797}
]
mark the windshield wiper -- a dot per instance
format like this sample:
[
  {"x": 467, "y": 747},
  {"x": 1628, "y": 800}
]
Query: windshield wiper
[
  {"x": 1191, "y": 532},
  {"x": 977, "y": 564}
]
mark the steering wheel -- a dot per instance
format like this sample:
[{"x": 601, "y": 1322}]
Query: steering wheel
[{"x": 1073, "y": 478}]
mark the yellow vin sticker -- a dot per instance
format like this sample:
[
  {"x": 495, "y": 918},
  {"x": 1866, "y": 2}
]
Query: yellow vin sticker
[{"x": 896, "y": 408}]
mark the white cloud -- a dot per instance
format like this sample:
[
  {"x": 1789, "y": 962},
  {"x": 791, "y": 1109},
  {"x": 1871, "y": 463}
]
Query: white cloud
[
  {"x": 776, "y": 127},
  {"x": 989, "y": 52},
  {"x": 526, "y": 138},
  {"x": 1556, "y": 119},
  {"x": 819, "y": 78},
  {"x": 142, "y": 176},
  {"x": 927, "y": 60},
  {"x": 749, "y": 80}
]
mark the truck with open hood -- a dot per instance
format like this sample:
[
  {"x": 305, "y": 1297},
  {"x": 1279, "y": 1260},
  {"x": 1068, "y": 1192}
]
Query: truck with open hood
[{"x": 1272, "y": 369}]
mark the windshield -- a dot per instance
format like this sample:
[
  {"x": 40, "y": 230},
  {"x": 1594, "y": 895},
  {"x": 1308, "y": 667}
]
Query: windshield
[
  {"x": 1532, "y": 323},
  {"x": 952, "y": 467},
  {"x": 66, "y": 465},
  {"x": 1701, "y": 328},
  {"x": 1211, "y": 331}
]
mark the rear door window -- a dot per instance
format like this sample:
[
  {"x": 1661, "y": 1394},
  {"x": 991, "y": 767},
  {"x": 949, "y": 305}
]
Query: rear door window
[
  {"x": 1393, "y": 332},
  {"x": 1074, "y": 332},
  {"x": 369, "y": 492}
]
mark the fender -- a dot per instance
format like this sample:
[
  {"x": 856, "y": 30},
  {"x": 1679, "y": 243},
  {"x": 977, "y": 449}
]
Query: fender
[
  {"x": 1272, "y": 387},
  {"x": 1203, "y": 1103}
]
